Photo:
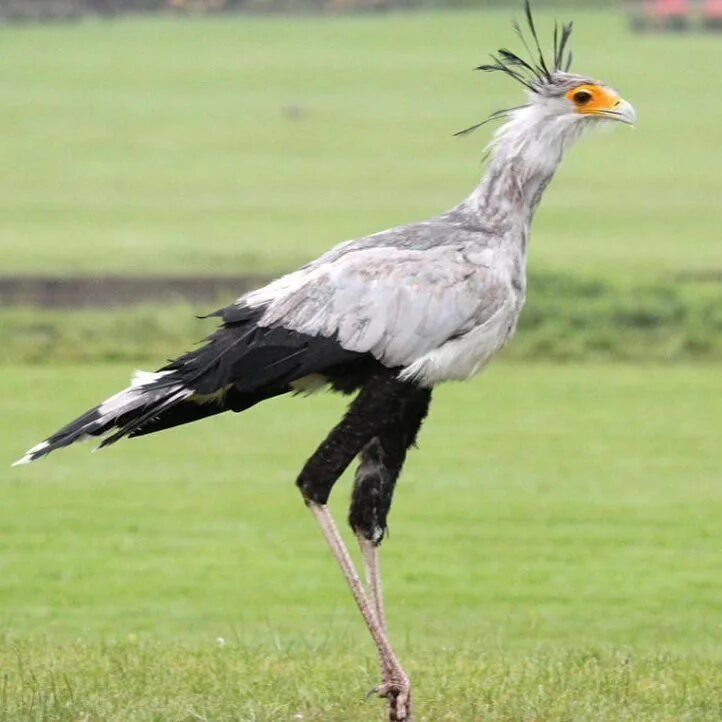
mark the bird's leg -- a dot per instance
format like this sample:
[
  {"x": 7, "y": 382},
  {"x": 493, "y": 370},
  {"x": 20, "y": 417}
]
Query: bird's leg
[
  {"x": 372, "y": 568},
  {"x": 378, "y": 406},
  {"x": 396, "y": 684},
  {"x": 381, "y": 462},
  {"x": 372, "y": 493}
]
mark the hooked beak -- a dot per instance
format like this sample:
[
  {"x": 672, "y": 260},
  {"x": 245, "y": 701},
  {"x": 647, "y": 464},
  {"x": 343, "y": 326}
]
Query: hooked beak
[
  {"x": 626, "y": 113},
  {"x": 622, "y": 111}
]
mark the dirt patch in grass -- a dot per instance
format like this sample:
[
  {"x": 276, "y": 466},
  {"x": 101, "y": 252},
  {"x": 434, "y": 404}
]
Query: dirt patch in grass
[
  {"x": 46, "y": 319},
  {"x": 116, "y": 291}
]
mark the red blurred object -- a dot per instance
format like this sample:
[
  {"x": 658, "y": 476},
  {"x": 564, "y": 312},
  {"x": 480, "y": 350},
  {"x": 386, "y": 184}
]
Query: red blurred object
[
  {"x": 712, "y": 9},
  {"x": 661, "y": 15},
  {"x": 665, "y": 9},
  {"x": 712, "y": 15}
]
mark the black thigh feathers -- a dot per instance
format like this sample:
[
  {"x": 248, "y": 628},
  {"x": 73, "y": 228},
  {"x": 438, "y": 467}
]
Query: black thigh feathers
[
  {"x": 381, "y": 462},
  {"x": 381, "y": 424}
]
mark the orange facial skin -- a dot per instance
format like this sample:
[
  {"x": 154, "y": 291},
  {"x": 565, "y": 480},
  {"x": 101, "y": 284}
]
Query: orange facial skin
[{"x": 594, "y": 100}]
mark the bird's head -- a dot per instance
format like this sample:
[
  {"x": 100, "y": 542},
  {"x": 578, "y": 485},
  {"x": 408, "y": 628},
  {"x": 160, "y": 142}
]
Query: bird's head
[
  {"x": 576, "y": 100},
  {"x": 562, "y": 103}
]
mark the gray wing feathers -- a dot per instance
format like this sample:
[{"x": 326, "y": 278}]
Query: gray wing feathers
[{"x": 396, "y": 304}]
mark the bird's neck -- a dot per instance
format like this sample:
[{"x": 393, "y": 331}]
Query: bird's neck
[{"x": 524, "y": 156}]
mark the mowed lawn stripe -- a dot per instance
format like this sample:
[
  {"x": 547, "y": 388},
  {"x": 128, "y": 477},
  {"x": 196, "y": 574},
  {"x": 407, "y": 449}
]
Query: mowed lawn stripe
[
  {"x": 252, "y": 144},
  {"x": 546, "y": 505}
]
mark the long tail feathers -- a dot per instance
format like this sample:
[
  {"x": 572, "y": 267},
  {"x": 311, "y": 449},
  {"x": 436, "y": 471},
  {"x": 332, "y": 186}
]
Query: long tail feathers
[
  {"x": 240, "y": 365},
  {"x": 148, "y": 395}
]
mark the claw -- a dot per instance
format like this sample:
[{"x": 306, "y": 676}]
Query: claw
[
  {"x": 374, "y": 691},
  {"x": 385, "y": 690},
  {"x": 399, "y": 697}
]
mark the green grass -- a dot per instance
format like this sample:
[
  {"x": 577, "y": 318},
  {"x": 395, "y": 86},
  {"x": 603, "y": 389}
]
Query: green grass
[
  {"x": 554, "y": 555},
  {"x": 150, "y": 145},
  {"x": 328, "y": 682}
]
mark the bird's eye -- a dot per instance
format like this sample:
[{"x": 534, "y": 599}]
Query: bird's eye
[{"x": 582, "y": 97}]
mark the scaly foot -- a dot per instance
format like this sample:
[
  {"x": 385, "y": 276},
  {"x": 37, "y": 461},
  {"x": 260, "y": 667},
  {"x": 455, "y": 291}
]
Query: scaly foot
[{"x": 397, "y": 690}]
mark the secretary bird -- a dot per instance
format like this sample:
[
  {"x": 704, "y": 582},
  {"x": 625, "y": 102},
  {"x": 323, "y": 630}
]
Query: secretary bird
[{"x": 387, "y": 317}]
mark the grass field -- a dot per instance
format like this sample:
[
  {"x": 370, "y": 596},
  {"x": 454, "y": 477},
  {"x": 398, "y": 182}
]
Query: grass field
[
  {"x": 252, "y": 144},
  {"x": 554, "y": 555},
  {"x": 554, "y": 552}
]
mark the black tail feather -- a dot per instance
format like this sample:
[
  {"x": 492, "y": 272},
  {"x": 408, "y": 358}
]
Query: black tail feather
[{"x": 238, "y": 366}]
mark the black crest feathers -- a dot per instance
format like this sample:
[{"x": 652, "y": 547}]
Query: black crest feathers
[
  {"x": 536, "y": 70},
  {"x": 533, "y": 72}
]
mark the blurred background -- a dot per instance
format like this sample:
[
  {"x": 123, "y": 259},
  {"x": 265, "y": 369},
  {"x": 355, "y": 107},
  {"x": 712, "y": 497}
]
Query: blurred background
[
  {"x": 182, "y": 151},
  {"x": 161, "y": 156}
]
